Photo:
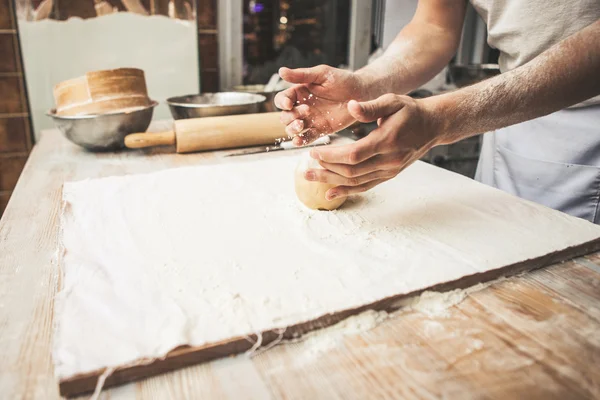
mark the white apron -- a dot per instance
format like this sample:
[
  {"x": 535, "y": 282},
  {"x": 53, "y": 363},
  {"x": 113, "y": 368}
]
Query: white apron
[{"x": 552, "y": 160}]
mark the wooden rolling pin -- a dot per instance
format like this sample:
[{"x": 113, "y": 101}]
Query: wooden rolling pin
[{"x": 214, "y": 133}]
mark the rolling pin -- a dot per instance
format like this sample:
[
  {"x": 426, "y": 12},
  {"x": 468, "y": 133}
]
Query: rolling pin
[{"x": 214, "y": 133}]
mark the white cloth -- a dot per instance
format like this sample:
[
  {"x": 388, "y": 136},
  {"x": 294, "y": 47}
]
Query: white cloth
[
  {"x": 210, "y": 253},
  {"x": 552, "y": 160}
]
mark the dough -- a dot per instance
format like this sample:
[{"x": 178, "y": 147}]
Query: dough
[{"x": 312, "y": 194}]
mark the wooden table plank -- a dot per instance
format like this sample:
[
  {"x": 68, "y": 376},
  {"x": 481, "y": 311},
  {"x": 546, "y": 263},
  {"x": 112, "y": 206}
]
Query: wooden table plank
[
  {"x": 573, "y": 281},
  {"x": 533, "y": 335},
  {"x": 567, "y": 335}
]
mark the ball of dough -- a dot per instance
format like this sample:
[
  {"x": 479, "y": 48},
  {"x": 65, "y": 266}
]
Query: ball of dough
[{"x": 310, "y": 193}]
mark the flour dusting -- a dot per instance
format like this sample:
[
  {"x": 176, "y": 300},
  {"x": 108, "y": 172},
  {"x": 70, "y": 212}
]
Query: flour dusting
[
  {"x": 320, "y": 341},
  {"x": 436, "y": 304},
  {"x": 236, "y": 253}
]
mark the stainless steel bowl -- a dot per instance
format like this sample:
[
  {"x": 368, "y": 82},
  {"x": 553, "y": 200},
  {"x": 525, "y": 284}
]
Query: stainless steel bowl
[
  {"x": 103, "y": 132},
  {"x": 214, "y": 104},
  {"x": 269, "y": 104}
]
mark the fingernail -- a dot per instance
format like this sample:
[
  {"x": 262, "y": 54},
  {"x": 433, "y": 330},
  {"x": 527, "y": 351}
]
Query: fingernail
[
  {"x": 332, "y": 196},
  {"x": 315, "y": 154},
  {"x": 310, "y": 176}
]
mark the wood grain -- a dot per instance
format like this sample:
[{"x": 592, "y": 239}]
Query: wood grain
[
  {"x": 225, "y": 132},
  {"x": 8, "y": 54},
  {"x": 11, "y": 166},
  {"x": 12, "y": 100},
  {"x": 207, "y": 14},
  {"x": 142, "y": 140},
  {"x": 4, "y": 197},
  {"x": 208, "y": 44},
  {"x": 14, "y": 134},
  {"x": 492, "y": 345},
  {"x": 209, "y": 80},
  {"x": 209, "y": 51},
  {"x": 6, "y": 15}
]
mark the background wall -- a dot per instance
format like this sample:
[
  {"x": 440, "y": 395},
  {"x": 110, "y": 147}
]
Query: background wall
[
  {"x": 15, "y": 131},
  {"x": 15, "y": 126},
  {"x": 398, "y": 14}
]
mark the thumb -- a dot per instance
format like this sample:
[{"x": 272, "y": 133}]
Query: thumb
[
  {"x": 381, "y": 107},
  {"x": 316, "y": 75}
]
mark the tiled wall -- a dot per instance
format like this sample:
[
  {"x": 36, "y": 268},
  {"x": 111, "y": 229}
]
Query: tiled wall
[{"x": 15, "y": 130}]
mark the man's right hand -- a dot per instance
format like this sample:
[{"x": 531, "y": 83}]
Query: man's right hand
[{"x": 318, "y": 102}]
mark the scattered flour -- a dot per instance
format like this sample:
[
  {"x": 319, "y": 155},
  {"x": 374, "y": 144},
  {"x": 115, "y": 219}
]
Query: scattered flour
[
  {"x": 436, "y": 304},
  {"x": 432, "y": 304},
  {"x": 322, "y": 340}
]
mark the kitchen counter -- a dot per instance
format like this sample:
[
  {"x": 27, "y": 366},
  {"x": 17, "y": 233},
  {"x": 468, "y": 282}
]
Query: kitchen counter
[{"x": 534, "y": 335}]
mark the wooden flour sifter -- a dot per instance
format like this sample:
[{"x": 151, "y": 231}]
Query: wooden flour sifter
[{"x": 215, "y": 133}]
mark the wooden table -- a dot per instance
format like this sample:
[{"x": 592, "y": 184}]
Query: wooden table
[{"x": 534, "y": 336}]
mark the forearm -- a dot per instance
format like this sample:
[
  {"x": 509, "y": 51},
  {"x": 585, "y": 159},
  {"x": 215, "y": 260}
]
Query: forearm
[
  {"x": 422, "y": 49},
  {"x": 411, "y": 60},
  {"x": 564, "y": 75}
]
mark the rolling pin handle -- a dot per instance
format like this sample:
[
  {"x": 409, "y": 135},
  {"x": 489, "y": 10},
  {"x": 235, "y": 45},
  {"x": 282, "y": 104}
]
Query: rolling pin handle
[{"x": 141, "y": 140}]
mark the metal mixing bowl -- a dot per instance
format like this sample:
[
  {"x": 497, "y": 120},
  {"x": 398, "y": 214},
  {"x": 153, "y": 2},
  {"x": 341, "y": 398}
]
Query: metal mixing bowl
[
  {"x": 269, "y": 104},
  {"x": 103, "y": 132},
  {"x": 214, "y": 104}
]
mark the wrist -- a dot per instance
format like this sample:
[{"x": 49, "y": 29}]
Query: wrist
[
  {"x": 442, "y": 117},
  {"x": 367, "y": 83}
]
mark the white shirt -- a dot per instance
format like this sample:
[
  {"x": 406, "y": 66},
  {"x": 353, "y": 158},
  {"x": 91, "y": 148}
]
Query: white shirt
[{"x": 523, "y": 29}]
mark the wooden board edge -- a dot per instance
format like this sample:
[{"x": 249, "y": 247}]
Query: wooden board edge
[{"x": 185, "y": 356}]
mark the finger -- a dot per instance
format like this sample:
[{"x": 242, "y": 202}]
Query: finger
[
  {"x": 299, "y": 140},
  {"x": 285, "y": 100},
  {"x": 306, "y": 137},
  {"x": 300, "y": 112},
  {"x": 294, "y": 128},
  {"x": 314, "y": 75},
  {"x": 377, "y": 163},
  {"x": 352, "y": 154},
  {"x": 370, "y": 111},
  {"x": 344, "y": 191},
  {"x": 323, "y": 175}
]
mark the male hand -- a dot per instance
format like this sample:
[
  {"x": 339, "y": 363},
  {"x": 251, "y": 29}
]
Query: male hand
[
  {"x": 407, "y": 130},
  {"x": 317, "y": 104}
]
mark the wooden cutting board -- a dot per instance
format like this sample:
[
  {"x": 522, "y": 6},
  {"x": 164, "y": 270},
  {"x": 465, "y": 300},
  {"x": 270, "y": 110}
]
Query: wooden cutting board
[{"x": 451, "y": 232}]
